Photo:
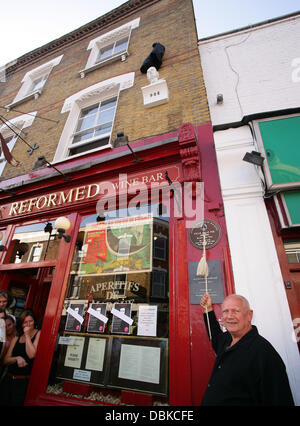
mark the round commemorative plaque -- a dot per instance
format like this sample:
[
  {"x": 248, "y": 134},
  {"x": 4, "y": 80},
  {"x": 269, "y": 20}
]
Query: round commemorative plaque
[{"x": 212, "y": 234}]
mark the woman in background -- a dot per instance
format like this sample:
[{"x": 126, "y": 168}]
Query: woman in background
[{"x": 20, "y": 357}]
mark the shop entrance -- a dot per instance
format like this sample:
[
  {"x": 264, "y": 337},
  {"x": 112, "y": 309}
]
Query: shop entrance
[{"x": 29, "y": 288}]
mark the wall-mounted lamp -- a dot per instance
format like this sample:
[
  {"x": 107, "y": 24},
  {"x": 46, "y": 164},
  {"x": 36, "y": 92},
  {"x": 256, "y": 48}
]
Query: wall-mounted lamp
[
  {"x": 2, "y": 247},
  {"x": 62, "y": 224},
  {"x": 254, "y": 158}
]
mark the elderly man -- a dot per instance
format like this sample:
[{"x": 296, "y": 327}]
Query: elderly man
[{"x": 247, "y": 369}]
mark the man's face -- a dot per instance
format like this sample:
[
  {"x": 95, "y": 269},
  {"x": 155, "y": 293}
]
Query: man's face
[
  {"x": 3, "y": 302},
  {"x": 236, "y": 317}
]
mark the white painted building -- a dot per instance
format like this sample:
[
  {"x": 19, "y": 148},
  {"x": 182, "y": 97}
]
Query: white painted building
[{"x": 252, "y": 78}]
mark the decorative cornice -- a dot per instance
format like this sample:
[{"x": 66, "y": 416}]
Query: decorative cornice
[
  {"x": 189, "y": 153},
  {"x": 99, "y": 24}
]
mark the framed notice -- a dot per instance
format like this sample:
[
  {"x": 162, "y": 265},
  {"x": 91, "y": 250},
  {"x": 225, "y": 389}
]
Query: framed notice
[
  {"x": 139, "y": 364},
  {"x": 85, "y": 359},
  {"x": 97, "y": 318}
]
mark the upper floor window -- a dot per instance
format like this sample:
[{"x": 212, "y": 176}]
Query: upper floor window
[
  {"x": 109, "y": 47},
  {"x": 91, "y": 117},
  {"x": 10, "y": 134},
  {"x": 10, "y": 141},
  {"x": 94, "y": 127},
  {"x": 33, "y": 82},
  {"x": 113, "y": 49}
]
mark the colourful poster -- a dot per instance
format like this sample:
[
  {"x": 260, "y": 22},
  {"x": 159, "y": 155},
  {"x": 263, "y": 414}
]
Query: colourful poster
[{"x": 118, "y": 246}]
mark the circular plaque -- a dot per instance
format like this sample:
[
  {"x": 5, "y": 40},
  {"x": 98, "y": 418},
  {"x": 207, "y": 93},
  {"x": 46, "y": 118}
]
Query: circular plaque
[{"x": 212, "y": 234}]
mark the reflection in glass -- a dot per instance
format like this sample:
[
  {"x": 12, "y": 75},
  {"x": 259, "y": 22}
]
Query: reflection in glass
[
  {"x": 33, "y": 243},
  {"x": 114, "y": 267}
]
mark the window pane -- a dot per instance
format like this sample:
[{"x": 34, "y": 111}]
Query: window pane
[
  {"x": 83, "y": 136},
  {"x": 86, "y": 123},
  {"x": 32, "y": 243},
  {"x": 103, "y": 129},
  {"x": 292, "y": 250},
  {"x": 110, "y": 103},
  {"x": 106, "y": 116},
  {"x": 89, "y": 146},
  {"x": 106, "y": 51},
  {"x": 121, "y": 45},
  {"x": 87, "y": 117}
]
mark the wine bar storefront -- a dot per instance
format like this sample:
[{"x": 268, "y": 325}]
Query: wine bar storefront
[{"x": 104, "y": 252}]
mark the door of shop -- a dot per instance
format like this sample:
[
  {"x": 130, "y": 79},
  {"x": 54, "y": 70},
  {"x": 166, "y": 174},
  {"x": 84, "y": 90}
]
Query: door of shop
[{"x": 29, "y": 288}]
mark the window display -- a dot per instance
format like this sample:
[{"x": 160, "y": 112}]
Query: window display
[{"x": 114, "y": 327}]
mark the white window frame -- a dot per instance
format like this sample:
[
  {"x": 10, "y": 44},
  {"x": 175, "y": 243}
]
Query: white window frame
[
  {"x": 32, "y": 255},
  {"x": 105, "y": 40},
  {"x": 17, "y": 124},
  {"x": 26, "y": 91},
  {"x": 87, "y": 97}
]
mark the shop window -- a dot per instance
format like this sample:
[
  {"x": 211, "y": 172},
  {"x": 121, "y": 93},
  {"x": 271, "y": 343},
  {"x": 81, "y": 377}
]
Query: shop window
[
  {"x": 91, "y": 116},
  {"x": 32, "y": 243},
  {"x": 113, "y": 333},
  {"x": 109, "y": 47},
  {"x": 34, "y": 81},
  {"x": 292, "y": 250}
]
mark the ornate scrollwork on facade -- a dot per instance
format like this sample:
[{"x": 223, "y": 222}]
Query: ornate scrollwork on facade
[{"x": 189, "y": 152}]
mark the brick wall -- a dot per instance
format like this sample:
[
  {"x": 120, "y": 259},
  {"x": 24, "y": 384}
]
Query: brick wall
[{"x": 170, "y": 22}]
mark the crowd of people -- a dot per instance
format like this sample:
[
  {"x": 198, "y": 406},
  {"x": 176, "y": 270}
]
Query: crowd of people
[{"x": 18, "y": 348}]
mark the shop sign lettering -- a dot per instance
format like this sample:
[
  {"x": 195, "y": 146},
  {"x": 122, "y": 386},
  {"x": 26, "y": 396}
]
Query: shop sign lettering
[{"x": 86, "y": 193}]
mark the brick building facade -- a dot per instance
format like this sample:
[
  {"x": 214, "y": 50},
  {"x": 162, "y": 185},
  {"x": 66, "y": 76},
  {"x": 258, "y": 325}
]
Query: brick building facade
[{"x": 84, "y": 106}]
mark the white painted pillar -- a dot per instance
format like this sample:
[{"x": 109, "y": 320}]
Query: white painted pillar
[{"x": 255, "y": 263}]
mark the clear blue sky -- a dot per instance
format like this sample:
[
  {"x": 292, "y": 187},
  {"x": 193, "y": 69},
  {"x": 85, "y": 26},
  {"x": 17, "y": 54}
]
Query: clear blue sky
[{"x": 27, "y": 25}]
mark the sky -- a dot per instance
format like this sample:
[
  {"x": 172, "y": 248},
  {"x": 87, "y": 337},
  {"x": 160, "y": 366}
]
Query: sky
[{"x": 27, "y": 25}]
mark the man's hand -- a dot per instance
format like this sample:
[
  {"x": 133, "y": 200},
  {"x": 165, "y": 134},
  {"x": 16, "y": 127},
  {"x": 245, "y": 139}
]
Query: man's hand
[{"x": 206, "y": 302}]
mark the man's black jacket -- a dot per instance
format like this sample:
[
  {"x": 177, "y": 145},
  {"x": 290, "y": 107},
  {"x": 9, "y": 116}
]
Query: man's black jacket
[{"x": 250, "y": 372}]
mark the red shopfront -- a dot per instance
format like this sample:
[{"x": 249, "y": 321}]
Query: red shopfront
[{"x": 113, "y": 300}]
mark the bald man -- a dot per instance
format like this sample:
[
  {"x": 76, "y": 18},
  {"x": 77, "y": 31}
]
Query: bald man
[{"x": 248, "y": 370}]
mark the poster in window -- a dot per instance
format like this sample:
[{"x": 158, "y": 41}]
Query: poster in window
[
  {"x": 75, "y": 317},
  {"x": 121, "y": 318},
  {"x": 118, "y": 246},
  {"x": 97, "y": 318}
]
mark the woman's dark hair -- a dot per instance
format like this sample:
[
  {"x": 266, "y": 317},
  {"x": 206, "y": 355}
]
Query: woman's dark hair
[{"x": 26, "y": 313}]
